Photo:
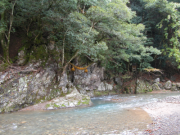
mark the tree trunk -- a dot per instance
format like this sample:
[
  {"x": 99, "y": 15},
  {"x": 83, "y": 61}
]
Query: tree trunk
[
  {"x": 3, "y": 35},
  {"x": 64, "y": 68}
]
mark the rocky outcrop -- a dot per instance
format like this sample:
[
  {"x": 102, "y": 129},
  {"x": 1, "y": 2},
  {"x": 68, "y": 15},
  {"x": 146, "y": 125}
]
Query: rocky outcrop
[
  {"x": 24, "y": 89},
  {"x": 155, "y": 86},
  {"x": 157, "y": 80},
  {"x": 90, "y": 80},
  {"x": 92, "y": 83},
  {"x": 168, "y": 85},
  {"x": 21, "y": 57},
  {"x": 70, "y": 100},
  {"x": 19, "y": 89},
  {"x": 174, "y": 87},
  {"x": 104, "y": 86},
  {"x": 143, "y": 86}
]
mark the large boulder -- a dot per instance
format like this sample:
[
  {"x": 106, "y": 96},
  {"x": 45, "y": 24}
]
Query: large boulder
[
  {"x": 174, "y": 87},
  {"x": 155, "y": 86},
  {"x": 70, "y": 100},
  {"x": 168, "y": 85},
  {"x": 92, "y": 83},
  {"x": 105, "y": 86},
  {"x": 178, "y": 86},
  {"x": 157, "y": 80},
  {"x": 118, "y": 81},
  {"x": 21, "y": 57},
  {"x": 143, "y": 86},
  {"x": 90, "y": 80}
]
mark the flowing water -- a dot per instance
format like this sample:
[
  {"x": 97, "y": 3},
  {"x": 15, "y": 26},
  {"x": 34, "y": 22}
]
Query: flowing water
[{"x": 108, "y": 115}]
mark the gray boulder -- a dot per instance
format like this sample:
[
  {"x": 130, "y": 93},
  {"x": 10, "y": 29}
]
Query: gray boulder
[
  {"x": 118, "y": 81},
  {"x": 157, "y": 80},
  {"x": 105, "y": 86},
  {"x": 143, "y": 86},
  {"x": 174, "y": 88},
  {"x": 93, "y": 81},
  {"x": 168, "y": 85},
  {"x": 90, "y": 80},
  {"x": 160, "y": 86},
  {"x": 21, "y": 57},
  {"x": 155, "y": 86},
  {"x": 178, "y": 85},
  {"x": 70, "y": 100}
]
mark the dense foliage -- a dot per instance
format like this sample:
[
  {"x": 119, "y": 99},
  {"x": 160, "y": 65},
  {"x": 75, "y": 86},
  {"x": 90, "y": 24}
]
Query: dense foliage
[{"x": 114, "y": 33}]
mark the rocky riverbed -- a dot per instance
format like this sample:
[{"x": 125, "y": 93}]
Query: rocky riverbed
[{"x": 165, "y": 115}]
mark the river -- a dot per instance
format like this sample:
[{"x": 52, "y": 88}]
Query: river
[{"x": 118, "y": 114}]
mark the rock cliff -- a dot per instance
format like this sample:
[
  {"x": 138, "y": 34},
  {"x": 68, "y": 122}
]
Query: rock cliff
[{"x": 22, "y": 87}]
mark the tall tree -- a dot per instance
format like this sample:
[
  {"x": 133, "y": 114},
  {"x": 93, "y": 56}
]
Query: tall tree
[
  {"x": 6, "y": 22},
  {"x": 168, "y": 26}
]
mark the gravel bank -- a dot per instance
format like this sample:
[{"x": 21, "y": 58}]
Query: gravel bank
[{"x": 165, "y": 115}]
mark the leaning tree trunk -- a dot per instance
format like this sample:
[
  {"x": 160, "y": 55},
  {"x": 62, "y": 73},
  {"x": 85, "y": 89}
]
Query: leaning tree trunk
[{"x": 64, "y": 68}]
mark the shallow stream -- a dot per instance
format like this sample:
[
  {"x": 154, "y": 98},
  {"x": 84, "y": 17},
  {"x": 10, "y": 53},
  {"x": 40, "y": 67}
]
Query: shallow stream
[{"x": 108, "y": 115}]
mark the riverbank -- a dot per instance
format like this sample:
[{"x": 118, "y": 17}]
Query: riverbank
[{"x": 165, "y": 115}]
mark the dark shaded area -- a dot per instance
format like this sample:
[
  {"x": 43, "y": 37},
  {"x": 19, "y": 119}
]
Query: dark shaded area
[
  {"x": 15, "y": 45},
  {"x": 1, "y": 50}
]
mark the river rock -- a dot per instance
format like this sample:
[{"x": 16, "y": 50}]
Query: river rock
[
  {"x": 155, "y": 86},
  {"x": 157, "y": 80},
  {"x": 63, "y": 83},
  {"x": 174, "y": 88},
  {"x": 168, "y": 85},
  {"x": 143, "y": 86},
  {"x": 105, "y": 86},
  {"x": 160, "y": 86},
  {"x": 118, "y": 81},
  {"x": 21, "y": 57},
  {"x": 70, "y": 100},
  {"x": 178, "y": 85}
]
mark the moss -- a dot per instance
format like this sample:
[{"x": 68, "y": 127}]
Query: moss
[
  {"x": 84, "y": 98},
  {"x": 39, "y": 100},
  {"x": 11, "y": 108},
  {"x": 150, "y": 90},
  {"x": 47, "y": 105},
  {"x": 79, "y": 103},
  {"x": 86, "y": 102},
  {"x": 101, "y": 93},
  {"x": 112, "y": 93},
  {"x": 63, "y": 94},
  {"x": 55, "y": 105},
  {"x": 63, "y": 105},
  {"x": 97, "y": 93}
]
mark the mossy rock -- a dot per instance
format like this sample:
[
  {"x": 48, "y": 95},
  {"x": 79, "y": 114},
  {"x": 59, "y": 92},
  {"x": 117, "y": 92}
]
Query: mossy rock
[
  {"x": 56, "y": 106},
  {"x": 101, "y": 93},
  {"x": 86, "y": 102}
]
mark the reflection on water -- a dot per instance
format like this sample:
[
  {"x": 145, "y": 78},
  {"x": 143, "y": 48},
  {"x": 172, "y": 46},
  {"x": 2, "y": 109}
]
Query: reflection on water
[{"x": 108, "y": 115}]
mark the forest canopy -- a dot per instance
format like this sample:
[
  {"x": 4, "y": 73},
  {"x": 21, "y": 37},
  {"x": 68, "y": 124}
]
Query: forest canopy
[{"x": 113, "y": 33}]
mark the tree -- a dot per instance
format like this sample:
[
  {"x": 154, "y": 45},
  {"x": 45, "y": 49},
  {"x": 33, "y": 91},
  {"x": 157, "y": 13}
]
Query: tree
[
  {"x": 127, "y": 41},
  {"x": 6, "y": 22},
  {"x": 168, "y": 26}
]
